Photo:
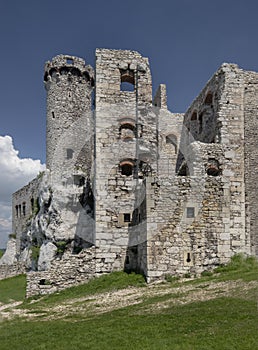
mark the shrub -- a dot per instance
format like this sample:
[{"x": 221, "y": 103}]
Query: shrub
[
  {"x": 35, "y": 253},
  {"x": 61, "y": 245}
]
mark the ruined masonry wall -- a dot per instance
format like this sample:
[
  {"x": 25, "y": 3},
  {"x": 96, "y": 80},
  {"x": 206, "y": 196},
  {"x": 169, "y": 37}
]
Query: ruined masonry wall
[
  {"x": 251, "y": 157},
  {"x": 115, "y": 192},
  {"x": 7, "y": 271},
  {"x": 24, "y": 207},
  {"x": 71, "y": 270}
]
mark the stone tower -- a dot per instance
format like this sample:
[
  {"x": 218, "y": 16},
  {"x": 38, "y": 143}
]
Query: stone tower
[
  {"x": 69, "y": 83},
  {"x": 126, "y": 148}
]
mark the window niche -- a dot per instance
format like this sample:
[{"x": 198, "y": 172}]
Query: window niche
[
  {"x": 69, "y": 153},
  {"x": 190, "y": 212},
  {"x": 126, "y": 167},
  {"x": 127, "y": 217},
  {"x": 69, "y": 60},
  {"x": 127, "y": 131},
  {"x": 208, "y": 99},
  {"x": 213, "y": 167},
  {"x": 194, "y": 116},
  {"x": 23, "y": 208},
  {"x": 127, "y": 81}
]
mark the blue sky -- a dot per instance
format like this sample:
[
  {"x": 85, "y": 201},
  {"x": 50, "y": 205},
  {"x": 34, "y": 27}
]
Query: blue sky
[{"x": 185, "y": 40}]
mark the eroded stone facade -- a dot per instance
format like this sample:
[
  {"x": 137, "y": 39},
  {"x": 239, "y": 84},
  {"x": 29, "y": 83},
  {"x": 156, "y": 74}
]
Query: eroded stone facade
[{"x": 131, "y": 185}]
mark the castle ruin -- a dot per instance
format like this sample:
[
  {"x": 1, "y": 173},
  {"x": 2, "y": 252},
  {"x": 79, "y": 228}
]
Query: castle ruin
[{"x": 130, "y": 185}]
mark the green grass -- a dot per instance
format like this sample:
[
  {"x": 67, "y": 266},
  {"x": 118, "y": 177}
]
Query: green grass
[
  {"x": 1, "y": 253},
  {"x": 224, "y": 323},
  {"x": 12, "y": 289},
  {"x": 104, "y": 283}
]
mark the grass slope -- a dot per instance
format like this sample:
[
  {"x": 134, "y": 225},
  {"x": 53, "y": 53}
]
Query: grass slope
[{"x": 166, "y": 316}]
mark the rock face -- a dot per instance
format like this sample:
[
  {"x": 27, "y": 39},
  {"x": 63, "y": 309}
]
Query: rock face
[
  {"x": 46, "y": 255},
  {"x": 9, "y": 257}
]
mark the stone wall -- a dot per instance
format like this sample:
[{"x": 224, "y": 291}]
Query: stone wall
[
  {"x": 7, "y": 271},
  {"x": 69, "y": 83},
  {"x": 251, "y": 157},
  {"x": 71, "y": 270},
  {"x": 25, "y": 206},
  {"x": 126, "y": 143}
]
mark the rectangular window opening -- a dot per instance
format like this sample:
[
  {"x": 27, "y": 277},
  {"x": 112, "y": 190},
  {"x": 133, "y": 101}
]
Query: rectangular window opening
[
  {"x": 69, "y": 153},
  {"x": 127, "y": 217},
  {"x": 190, "y": 212}
]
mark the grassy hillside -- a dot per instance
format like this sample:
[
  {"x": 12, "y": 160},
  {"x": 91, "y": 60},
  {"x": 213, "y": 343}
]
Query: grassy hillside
[{"x": 119, "y": 311}]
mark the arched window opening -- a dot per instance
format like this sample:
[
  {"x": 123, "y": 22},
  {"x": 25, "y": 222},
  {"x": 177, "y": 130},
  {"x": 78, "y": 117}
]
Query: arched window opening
[
  {"x": 200, "y": 123},
  {"x": 32, "y": 204},
  {"x": 208, "y": 99},
  {"x": 127, "y": 131},
  {"x": 213, "y": 168},
  {"x": 17, "y": 211},
  {"x": 172, "y": 140},
  {"x": 127, "y": 81},
  {"x": 127, "y": 167},
  {"x": 194, "y": 116},
  {"x": 23, "y": 208}
]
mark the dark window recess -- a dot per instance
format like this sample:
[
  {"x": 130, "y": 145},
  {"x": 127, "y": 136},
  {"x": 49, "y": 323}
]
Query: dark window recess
[
  {"x": 188, "y": 258},
  {"x": 69, "y": 153},
  {"x": 32, "y": 204},
  {"x": 79, "y": 180},
  {"x": 69, "y": 61},
  {"x": 194, "y": 116},
  {"x": 23, "y": 209},
  {"x": 190, "y": 212},
  {"x": 127, "y": 169},
  {"x": 200, "y": 123},
  {"x": 213, "y": 167},
  {"x": 208, "y": 99},
  {"x": 127, "y": 260},
  {"x": 184, "y": 170},
  {"x": 17, "y": 211},
  {"x": 53, "y": 115},
  {"x": 127, "y": 217}
]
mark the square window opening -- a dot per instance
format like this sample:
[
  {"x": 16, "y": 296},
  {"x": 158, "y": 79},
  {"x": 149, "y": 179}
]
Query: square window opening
[
  {"x": 127, "y": 217},
  {"x": 190, "y": 212}
]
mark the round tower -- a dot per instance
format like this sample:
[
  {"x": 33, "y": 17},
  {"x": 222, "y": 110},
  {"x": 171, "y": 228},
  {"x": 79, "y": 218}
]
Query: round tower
[{"x": 69, "y": 84}]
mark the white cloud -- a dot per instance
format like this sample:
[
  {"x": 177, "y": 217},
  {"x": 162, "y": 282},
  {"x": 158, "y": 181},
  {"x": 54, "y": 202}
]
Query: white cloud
[{"x": 15, "y": 172}]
